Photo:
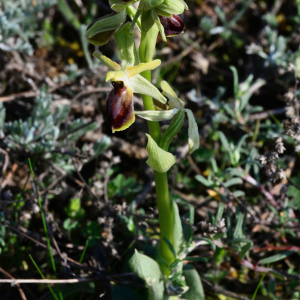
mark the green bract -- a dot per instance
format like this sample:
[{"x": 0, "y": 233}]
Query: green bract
[
  {"x": 99, "y": 32},
  {"x": 175, "y": 105},
  {"x": 159, "y": 159}
]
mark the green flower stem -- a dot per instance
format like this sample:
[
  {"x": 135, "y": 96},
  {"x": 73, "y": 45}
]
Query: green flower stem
[{"x": 166, "y": 214}]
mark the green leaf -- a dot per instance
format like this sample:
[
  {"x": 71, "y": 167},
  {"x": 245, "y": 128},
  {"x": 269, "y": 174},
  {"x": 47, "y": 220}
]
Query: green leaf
[
  {"x": 238, "y": 231},
  {"x": 233, "y": 181},
  {"x": 159, "y": 160},
  {"x": 219, "y": 212},
  {"x": 178, "y": 232},
  {"x": 235, "y": 81},
  {"x": 204, "y": 181},
  {"x": 194, "y": 283},
  {"x": 276, "y": 257},
  {"x": 148, "y": 269},
  {"x": 245, "y": 249},
  {"x": 192, "y": 258}
]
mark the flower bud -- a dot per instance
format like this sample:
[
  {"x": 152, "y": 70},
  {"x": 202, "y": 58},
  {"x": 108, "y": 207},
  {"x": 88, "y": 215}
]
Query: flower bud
[
  {"x": 119, "y": 107},
  {"x": 172, "y": 25},
  {"x": 99, "y": 31},
  {"x": 171, "y": 7}
]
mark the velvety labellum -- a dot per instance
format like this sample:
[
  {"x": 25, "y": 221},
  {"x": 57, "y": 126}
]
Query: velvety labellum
[
  {"x": 172, "y": 25},
  {"x": 119, "y": 107}
]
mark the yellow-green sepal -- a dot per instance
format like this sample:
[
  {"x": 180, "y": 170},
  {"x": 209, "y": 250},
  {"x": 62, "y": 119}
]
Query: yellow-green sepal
[
  {"x": 148, "y": 66},
  {"x": 159, "y": 159},
  {"x": 107, "y": 61}
]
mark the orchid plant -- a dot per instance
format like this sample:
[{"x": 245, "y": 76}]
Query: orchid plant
[{"x": 165, "y": 276}]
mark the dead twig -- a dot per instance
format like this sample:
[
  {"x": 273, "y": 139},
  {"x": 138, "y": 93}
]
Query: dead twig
[{"x": 22, "y": 294}]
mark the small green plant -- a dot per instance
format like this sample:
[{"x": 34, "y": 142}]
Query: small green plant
[{"x": 164, "y": 276}]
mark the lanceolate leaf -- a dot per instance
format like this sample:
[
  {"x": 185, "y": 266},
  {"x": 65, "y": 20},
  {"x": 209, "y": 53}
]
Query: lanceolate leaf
[
  {"x": 276, "y": 257},
  {"x": 194, "y": 283},
  {"x": 148, "y": 270}
]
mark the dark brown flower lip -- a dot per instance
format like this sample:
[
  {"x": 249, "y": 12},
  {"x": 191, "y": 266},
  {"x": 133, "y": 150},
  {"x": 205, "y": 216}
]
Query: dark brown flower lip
[
  {"x": 119, "y": 107},
  {"x": 172, "y": 25}
]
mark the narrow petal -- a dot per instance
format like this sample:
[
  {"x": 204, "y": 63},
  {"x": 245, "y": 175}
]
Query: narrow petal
[
  {"x": 142, "y": 86},
  {"x": 194, "y": 142},
  {"x": 119, "y": 107},
  {"x": 157, "y": 115},
  {"x": 134, "y": 70},
  {"x": 159, "y": 159},
  {"x": 174, "y": 101},
  {"x": 107, "y": 61}
]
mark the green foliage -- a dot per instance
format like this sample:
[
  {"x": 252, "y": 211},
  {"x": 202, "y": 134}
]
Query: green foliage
[{"x": 149, "y": 270}]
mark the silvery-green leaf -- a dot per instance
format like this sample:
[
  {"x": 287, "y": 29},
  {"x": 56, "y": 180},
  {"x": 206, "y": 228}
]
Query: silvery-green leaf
[
  {"x": 194, "y": 141},
  {"x": 149, "y": 270},
  {"x": 174, "y": 101},
  {"x": 142, "y": 86},
  {"x": 159, "y": 160},
  {"x": 157, "y": 115},
  {"x": 125, "y": 42},
  {"x": 111, "y": 22}
]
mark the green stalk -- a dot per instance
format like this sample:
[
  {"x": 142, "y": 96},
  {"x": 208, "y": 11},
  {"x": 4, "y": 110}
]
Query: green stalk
[{"x": 166, "y": 214}]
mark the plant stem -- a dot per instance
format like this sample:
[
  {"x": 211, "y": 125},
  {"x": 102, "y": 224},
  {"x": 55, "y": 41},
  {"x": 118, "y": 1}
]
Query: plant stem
[{"x": 166, "y": 214}]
